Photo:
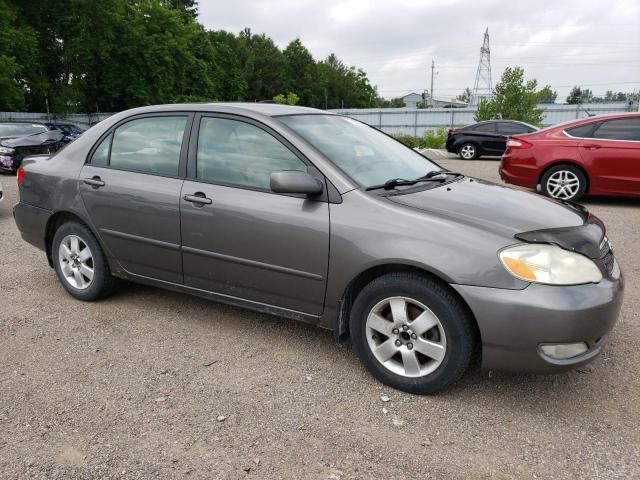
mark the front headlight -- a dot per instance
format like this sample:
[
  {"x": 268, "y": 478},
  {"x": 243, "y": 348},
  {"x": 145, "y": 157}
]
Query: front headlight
[
  {"x": 6, "y": 150},
  {"x": 543, "y": 263}
]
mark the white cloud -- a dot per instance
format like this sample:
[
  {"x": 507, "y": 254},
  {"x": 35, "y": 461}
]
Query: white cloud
[{"x": 591, "y": 43}]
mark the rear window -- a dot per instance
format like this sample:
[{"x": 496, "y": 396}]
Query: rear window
[
  {"x": 100, "y": 157},
  {"x": 508, "y": 128},
  {"x": 484, "y": 128},
  {"x": 582, "y": 131},
  {"x": 20, "y": 129}
]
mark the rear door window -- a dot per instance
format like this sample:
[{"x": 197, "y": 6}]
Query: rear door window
[
  {"x": 149, "y": 145},
  {"x": 619, "y": 129}
]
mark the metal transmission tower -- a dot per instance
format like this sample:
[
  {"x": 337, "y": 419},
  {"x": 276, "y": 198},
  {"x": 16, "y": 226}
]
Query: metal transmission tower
[{"x": 483, "y": 88}]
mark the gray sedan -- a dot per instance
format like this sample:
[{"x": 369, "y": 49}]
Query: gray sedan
[{"x": 313, "y": 216}]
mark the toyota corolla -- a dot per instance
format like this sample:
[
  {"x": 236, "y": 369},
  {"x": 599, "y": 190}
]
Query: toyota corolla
[{"x": 317, "y": 217}]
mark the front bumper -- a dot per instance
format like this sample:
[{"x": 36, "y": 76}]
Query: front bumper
[{"x": 514, "y": 323}]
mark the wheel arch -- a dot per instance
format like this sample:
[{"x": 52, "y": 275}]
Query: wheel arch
[
  {"x": 571, "y": 163},
  {"x": 361, "y": 280},
  {"x": 55, "y": 222}
]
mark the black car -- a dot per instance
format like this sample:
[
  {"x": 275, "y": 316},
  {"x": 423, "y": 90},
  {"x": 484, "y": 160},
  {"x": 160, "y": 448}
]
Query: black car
[
  {"x": 20, "y": 139},
  {"x": 71, "y": 130},
  {"x": 484, "y": 138}
]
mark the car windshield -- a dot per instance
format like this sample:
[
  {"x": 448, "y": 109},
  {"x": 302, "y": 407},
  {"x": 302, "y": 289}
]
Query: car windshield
[
  {"x": 368, "y": 156},
  {"x": 20, "y": 129}
]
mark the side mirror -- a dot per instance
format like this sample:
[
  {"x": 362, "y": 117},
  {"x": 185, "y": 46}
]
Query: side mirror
[{"x": 293, "y": 181}]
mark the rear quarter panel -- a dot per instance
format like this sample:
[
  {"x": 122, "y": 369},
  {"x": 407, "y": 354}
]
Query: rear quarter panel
[{"x": 526, "y": 166}]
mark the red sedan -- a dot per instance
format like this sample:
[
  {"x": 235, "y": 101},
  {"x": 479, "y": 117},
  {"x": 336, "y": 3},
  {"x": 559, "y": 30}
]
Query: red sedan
[{"x": 594, "y": 156}]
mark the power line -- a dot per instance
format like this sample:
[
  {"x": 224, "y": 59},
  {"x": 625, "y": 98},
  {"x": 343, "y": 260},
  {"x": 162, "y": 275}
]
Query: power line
[{"x": 459, "y": 89}]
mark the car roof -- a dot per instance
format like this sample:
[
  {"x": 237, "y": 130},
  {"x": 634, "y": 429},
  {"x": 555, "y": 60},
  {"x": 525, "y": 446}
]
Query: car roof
[
  {"x": 267, "y": 109},
  {"x": 500, "y": 120}
]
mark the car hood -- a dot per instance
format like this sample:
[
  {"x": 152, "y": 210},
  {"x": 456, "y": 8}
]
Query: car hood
[{"x": 502, "y": 210}]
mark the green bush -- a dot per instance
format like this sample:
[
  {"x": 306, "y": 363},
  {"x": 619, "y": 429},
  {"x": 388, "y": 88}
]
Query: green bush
[
  {"x": 434, "y": 138},
  {"x": 431, "y": 139},
  {"x": 409, "y": 140}
]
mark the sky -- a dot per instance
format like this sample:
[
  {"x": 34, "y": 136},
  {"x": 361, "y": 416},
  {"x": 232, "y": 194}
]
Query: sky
[{"x": 593, "y": 43}]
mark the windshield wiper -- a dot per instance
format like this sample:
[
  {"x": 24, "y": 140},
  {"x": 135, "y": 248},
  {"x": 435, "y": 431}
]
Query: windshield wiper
[
  {"x": 429, "y": 177},
  {"x": 442, "y": 172},
  {"x": 389, "y": 184}
]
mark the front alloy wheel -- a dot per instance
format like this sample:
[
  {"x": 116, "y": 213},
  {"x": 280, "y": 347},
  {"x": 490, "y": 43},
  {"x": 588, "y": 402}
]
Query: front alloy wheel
[
  {"x": 406, "y": 337},
  {"x": 412, "y": 332}
]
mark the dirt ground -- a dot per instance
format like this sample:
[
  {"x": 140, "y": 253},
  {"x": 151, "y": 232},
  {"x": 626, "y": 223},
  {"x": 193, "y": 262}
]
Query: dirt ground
[{"x": 152, "y": 384}]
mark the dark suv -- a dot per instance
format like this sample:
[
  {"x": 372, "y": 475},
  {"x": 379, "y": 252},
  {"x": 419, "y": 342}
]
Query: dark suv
[{"x": 484, "y": 138}]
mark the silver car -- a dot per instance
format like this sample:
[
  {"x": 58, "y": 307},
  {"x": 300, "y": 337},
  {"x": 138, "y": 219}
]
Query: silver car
[{"x": 314, "y": 216}]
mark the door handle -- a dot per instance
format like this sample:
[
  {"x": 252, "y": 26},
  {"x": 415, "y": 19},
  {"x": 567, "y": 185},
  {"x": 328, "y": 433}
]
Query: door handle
[
  {"x": 94, "y": 182},
  {"x": 199, "y": 198},
  {"x": 591, "y": 146}
]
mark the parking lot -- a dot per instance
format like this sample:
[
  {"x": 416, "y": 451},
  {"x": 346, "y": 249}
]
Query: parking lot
[{"x": 153, "y": 383}]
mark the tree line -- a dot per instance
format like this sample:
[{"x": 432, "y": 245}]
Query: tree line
[
  {"x": 580, "y": 95},
  {"x": 109, "y": 55}
]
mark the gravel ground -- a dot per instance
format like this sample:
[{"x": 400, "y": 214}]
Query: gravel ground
[{"x": 155, "y": 384}]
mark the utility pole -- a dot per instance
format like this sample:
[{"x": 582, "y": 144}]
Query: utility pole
[{"x": 433, "y": 66}]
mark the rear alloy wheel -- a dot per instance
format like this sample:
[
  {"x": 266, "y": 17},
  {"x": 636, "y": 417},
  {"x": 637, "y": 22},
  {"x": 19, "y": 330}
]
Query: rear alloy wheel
[
  {"x": 468, "y": 151},
  {"x": 76, "y": 262},
  {"x": 411, "y": 332},
  {"x": 564, "y": 182},
  {"x": 80, "y": 263}
]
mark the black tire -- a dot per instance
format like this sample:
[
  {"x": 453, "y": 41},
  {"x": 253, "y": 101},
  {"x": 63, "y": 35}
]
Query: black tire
[
  {"x": 103, "y": 283},
  {"x": 573, "y": 172},
  {"x": 468, "y": 151},
  {"x": 452, "y": 315}
]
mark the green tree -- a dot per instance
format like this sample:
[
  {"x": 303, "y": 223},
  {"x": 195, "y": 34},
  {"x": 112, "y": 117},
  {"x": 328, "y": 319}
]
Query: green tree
[
  {"x": 579, "y": 95},
  {"x": 302, "y": 73},
  {"x": 550, "y": 98},
  {"x": 264, "y": 66},
  {"x": 465, "y": 96},
  {"x": 110, "y": 55},
  {"x": 344, "y": 86},
  {"x": 189, "y": 7},
  {"x": 18, "y": 57},
  {"x": 397, "y": 102},
  {"x": 230, "y": 58},
  {"x": 514, "y": 99}
]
